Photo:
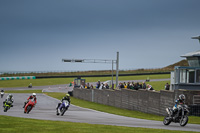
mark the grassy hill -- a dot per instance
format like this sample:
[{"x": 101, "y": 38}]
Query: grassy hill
[{"x": 180, "y": 63}]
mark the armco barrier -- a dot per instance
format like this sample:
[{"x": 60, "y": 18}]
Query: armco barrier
[
  {"x": 14, "y": 78},
  {"x": 141, "y": 100}
]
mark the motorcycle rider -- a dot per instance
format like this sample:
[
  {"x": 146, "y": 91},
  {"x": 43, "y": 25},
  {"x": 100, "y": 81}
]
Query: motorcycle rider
[
  {"x": 179, "y": 101},
  {"x": 30, "y": 85},
  {"x": 9, "y": 98},
  {"x": 33, "y": 96},
  {"x": 67, "y": 97},
  {"x": 2, "y": 93}
]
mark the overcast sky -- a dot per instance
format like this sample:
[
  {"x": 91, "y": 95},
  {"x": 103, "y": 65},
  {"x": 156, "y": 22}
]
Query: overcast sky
[{"x": 35, "y": 35}]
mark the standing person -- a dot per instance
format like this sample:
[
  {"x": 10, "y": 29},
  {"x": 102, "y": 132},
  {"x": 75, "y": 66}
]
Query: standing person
[
  {"x": 166, "y": 86},
  {"x": 98, "y": 84},
  {"x": 144, "y": 85}
]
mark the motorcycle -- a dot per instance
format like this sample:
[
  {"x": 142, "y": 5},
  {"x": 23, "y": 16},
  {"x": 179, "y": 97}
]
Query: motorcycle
[
  {"x": 29, "y": 86},
  {"x": 2, "y": 93},
  {"x": 29, "y": 106},
  {"x": 7, "y": 105},
  {"x": 179, "y": 116},
  {"x": 64, "y": 107}
]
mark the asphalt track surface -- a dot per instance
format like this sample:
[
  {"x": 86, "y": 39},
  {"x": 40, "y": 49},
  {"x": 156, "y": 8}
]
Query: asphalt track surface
[{"x": 46, "y": 110}]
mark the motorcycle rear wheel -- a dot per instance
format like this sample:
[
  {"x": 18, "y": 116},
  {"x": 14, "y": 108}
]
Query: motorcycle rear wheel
[
  {"x": 184, "y": 121},
  {"x": 167, "y": 120}
]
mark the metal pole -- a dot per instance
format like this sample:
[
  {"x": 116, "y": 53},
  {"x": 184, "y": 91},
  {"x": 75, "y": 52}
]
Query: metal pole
[
  {"x": 112, "y": 75},
  {"x": 117, "y": 69}
]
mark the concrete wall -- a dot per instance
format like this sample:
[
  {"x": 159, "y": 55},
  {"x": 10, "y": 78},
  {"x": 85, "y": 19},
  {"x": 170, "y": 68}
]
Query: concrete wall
[{"x": 141, "y": 100}]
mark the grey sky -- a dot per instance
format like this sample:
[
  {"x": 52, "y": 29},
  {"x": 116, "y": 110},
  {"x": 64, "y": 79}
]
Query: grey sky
[{"x": 36, "y": 35}]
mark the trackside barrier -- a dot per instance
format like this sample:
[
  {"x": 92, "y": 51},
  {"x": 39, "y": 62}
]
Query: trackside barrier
[
  {"x": 152, "y": 102},
  {"x": 14, "y": 78}
]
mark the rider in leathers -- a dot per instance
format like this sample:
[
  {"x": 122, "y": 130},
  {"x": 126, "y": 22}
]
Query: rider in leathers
[
  {"x": 179, "y": 101},
  {"x": 10, "y": 99},
  {"x": 33, "y": 96}
]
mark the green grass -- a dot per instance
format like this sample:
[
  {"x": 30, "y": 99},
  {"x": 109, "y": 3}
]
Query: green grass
[
  {"x": 35, "y": 82},
  {"x": 23, "y": 91},
  {"x": 56, "y": 81},
  {"x": 117, "y": 111},
  {"x": 23, "y": 125},
  {"x": 158, "y": 85}
]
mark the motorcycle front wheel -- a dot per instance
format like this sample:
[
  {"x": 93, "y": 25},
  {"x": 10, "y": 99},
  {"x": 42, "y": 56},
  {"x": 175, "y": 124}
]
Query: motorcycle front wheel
[
  {"x": 63, "y": 111},
  {"x": 184, "y": 121},
  {"x": 5, "y": 109},
  {"x": 29, "y": 109},
  {"x": 167, "y": 120}
]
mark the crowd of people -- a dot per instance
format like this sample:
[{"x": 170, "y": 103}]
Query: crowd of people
[
  {"x": 135, "y": 86},
  {"x": 99, "y": 85},
  {"x": 129, "y": 85}
]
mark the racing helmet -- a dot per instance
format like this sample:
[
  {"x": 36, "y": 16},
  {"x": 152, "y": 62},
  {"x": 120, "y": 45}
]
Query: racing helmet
[
  {"x": 182, "y": 97},
  {"x": 10, "y": 95},
  {"x": 34, "y": 94},
  {"x": 67, "y": 95}
]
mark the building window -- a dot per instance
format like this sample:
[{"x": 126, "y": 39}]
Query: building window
[
  {"x": 187, "y": 76},
  {"x": 198, "y": 76}
]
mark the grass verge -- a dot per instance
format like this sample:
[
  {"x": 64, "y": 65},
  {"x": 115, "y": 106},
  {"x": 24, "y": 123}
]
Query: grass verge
[
  {"x": 21, "y": 125},
  {"x": 23, "y": 91},
  {"x": 57, "y": 81}
]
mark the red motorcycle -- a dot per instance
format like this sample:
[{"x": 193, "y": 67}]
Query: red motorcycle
[{"x": 29, "y": 106}]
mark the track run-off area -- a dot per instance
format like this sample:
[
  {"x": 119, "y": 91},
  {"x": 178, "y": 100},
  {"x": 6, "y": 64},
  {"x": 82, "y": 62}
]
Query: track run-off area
[{"x": 45, "y": 109}]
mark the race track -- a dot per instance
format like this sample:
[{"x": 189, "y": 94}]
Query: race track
[{"x": 46, "y": 110}]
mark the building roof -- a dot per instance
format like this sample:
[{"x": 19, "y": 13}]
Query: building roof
[{"x": 192, "y": 54}]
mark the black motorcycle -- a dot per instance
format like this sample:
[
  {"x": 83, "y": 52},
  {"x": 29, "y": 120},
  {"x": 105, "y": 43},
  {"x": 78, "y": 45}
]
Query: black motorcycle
[{"x": 179, "y": 116}]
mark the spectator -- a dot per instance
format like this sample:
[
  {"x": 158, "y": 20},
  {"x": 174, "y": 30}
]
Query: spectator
[
  {"x": 102, "y": 86},
  {"x": 122, "y": 85},
  {"x": 98, "y": 84},
  {"x": 81, "y": 86},
  {"x": 128, "y": 85},
  {"x": 166, "y": 86},
  {"x": 131, "y": 86},
  {"x": 91, "y": 86},
  {"x": 140, "y": 86},
  {"x": 106, "y": 86},
  {"x": 136, "y": 86},
  {"x": 144, "y": 85},
  {"x": 149, "y": 87},
  {"x": 125, "y": 86},
  {"x": 119, "y": 85},
  {"x": 88, "y": 86}
]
